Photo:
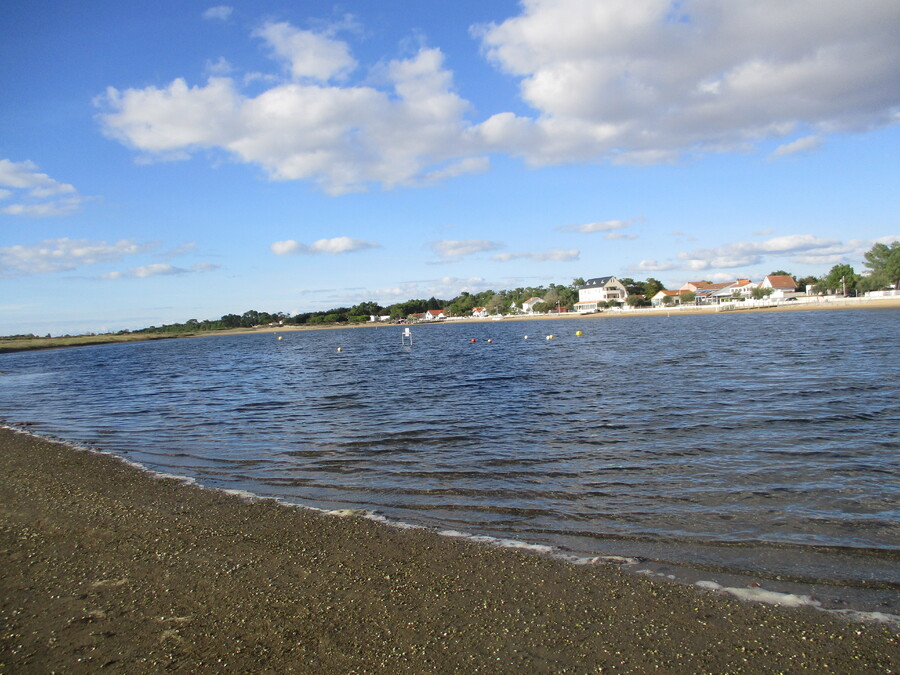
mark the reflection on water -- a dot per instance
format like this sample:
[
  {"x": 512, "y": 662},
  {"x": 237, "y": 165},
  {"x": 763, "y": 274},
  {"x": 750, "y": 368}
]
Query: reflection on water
[{"x": 765, "y": 443}]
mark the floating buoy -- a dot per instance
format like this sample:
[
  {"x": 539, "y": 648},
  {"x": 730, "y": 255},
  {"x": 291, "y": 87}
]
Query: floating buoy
[
  {"x": 526, "y": 337},
  {"x": 578, "y": 333},
  {"x": 340, "y": 349},
  {"x": 490, "y": 341},
  {"x": 549, "y": 337},
  {"x": 280, "y": 338},
  {"x": 472, "y": 340}
]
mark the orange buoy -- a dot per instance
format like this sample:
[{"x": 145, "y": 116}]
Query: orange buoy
[{"x": 472, "y": 340}]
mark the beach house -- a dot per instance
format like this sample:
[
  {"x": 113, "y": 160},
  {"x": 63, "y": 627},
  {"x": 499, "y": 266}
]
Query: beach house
[
  {"x": 782, "y": 285},
  {"x": 600, "y": 289},
  {"x": 709, "y": 293},
  {"x": 659, "y": 298},
  {"x": 528, "y": 305}
]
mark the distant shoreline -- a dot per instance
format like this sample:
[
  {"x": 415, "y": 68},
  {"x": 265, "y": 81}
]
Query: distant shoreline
[{"x": 9, "y": 345}]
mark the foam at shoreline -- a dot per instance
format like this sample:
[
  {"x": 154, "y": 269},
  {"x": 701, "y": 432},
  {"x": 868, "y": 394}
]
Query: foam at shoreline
[
  {"x": 751, "y": 594},
  {"x": 106, "y": 565}
]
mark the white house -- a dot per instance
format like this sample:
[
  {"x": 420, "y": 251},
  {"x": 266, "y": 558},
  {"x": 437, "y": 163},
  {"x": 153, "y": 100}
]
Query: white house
[
  {"x": 433, "y": 315},
  {"x": 479, "y": 312},
  {"x": 741, "y": 288},
  {"x": 782, "y": 285},
  {"x": 600, "y": 289},
  {"x": 528, "y": 305},
  {"x": 660, "y": 297},
  {"x": 714, "y": 293}
]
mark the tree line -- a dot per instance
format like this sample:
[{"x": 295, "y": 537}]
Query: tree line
[{"x": 882, "y": 261}]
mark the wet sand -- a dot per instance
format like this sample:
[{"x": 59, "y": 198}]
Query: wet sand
[{"x": 106, "y": 567}]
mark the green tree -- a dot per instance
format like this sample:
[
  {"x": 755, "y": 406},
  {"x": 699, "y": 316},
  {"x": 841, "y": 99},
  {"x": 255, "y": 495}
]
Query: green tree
[
  {"x": 633, "y": 287},
  {"x": 498, "y": 304},
  {"x": 688, "y": 298},
  {"x": 884, "y": 263},
  {"x": 760, "y": 293},
  {"x": 841, "y": 278},
  {"x": 652, "y": 287},
  {"x": 806, "y": 283},
  {"x": 668, "y": 300},
  {"x": 637, "y": 301}
]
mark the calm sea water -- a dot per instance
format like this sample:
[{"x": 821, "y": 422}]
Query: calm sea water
[{"x": 741, "y": 448}]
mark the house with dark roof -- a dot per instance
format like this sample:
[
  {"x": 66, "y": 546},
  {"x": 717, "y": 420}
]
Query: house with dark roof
[{"x": 600, "y": 289}]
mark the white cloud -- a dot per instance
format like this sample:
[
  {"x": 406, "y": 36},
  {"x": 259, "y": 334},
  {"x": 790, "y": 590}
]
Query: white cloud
[
  {"x": 804, "y": 249},
  {"x": 651, "y": 265},
  {"x": 454, "y": 250},
  {"x": 624, "y": 81},
  {"x": 220, "y": 12},
  {"x": 603, "y": 226},
  {"x": 801, "y": 145},
  {"x": 158, "y": 270},
  {"x": 55, "y": 255},
  {"x": 553, "y": 255},
  {"x": 308, "y": 54},
  {"x": 344, "y": 138},
  {"x": 34, "y": 193},
  {"x": 183, "y": 249},
  {"x": 332, "y": 246},
  {"x": 648, "y": 80}
]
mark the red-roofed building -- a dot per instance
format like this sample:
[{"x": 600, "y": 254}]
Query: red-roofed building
[{"x": 779, "y": 282}]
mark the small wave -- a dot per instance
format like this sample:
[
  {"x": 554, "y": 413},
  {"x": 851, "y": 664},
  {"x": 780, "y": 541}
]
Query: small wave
[{"x": 797, "y": 600}]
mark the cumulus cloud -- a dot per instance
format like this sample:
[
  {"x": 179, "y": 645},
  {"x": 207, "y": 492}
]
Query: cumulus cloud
[
  {"x": 624, "y": 81},
  {"x": 219, "y": 12},
  {"x": 308, "y": 54},
  {"x": 454, "y": 250},
  {"x": 645, "y": 81},
  {"x": 343, "y": 137},
  {"x": 33, "y": 193},
  {"x": 57, "y": 255},
  {"x": 553, "y": 255},
  {"x": 332, "y": 246}
]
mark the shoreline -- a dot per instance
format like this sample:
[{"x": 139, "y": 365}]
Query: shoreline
[
  {"x": 109, "y": 565},
  {"x": 37, "y": 344}
]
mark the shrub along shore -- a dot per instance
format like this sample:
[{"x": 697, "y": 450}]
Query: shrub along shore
[
  {"x": 108, "y": 566},
  {"x": 30, "y": 342}
]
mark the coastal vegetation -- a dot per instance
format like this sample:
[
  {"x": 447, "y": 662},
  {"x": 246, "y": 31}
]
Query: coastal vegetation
[{"x": 882, "y": 261}]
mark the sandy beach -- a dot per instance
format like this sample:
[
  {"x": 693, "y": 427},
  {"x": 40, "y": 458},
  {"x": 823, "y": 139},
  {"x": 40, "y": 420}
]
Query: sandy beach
[{"x": 108, "y": 567}]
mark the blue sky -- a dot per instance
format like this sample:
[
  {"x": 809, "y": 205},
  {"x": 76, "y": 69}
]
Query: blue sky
[{"x": 175, "y": 160}]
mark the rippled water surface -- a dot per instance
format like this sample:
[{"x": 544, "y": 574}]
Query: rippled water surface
[{"x": 764, "y": 444}]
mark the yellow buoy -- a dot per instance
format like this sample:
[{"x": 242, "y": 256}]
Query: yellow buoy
[
  {"x": 578, "y": 333},
  {"x": 280, "y": 338},
  {"x": 340, "y": 350}
]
